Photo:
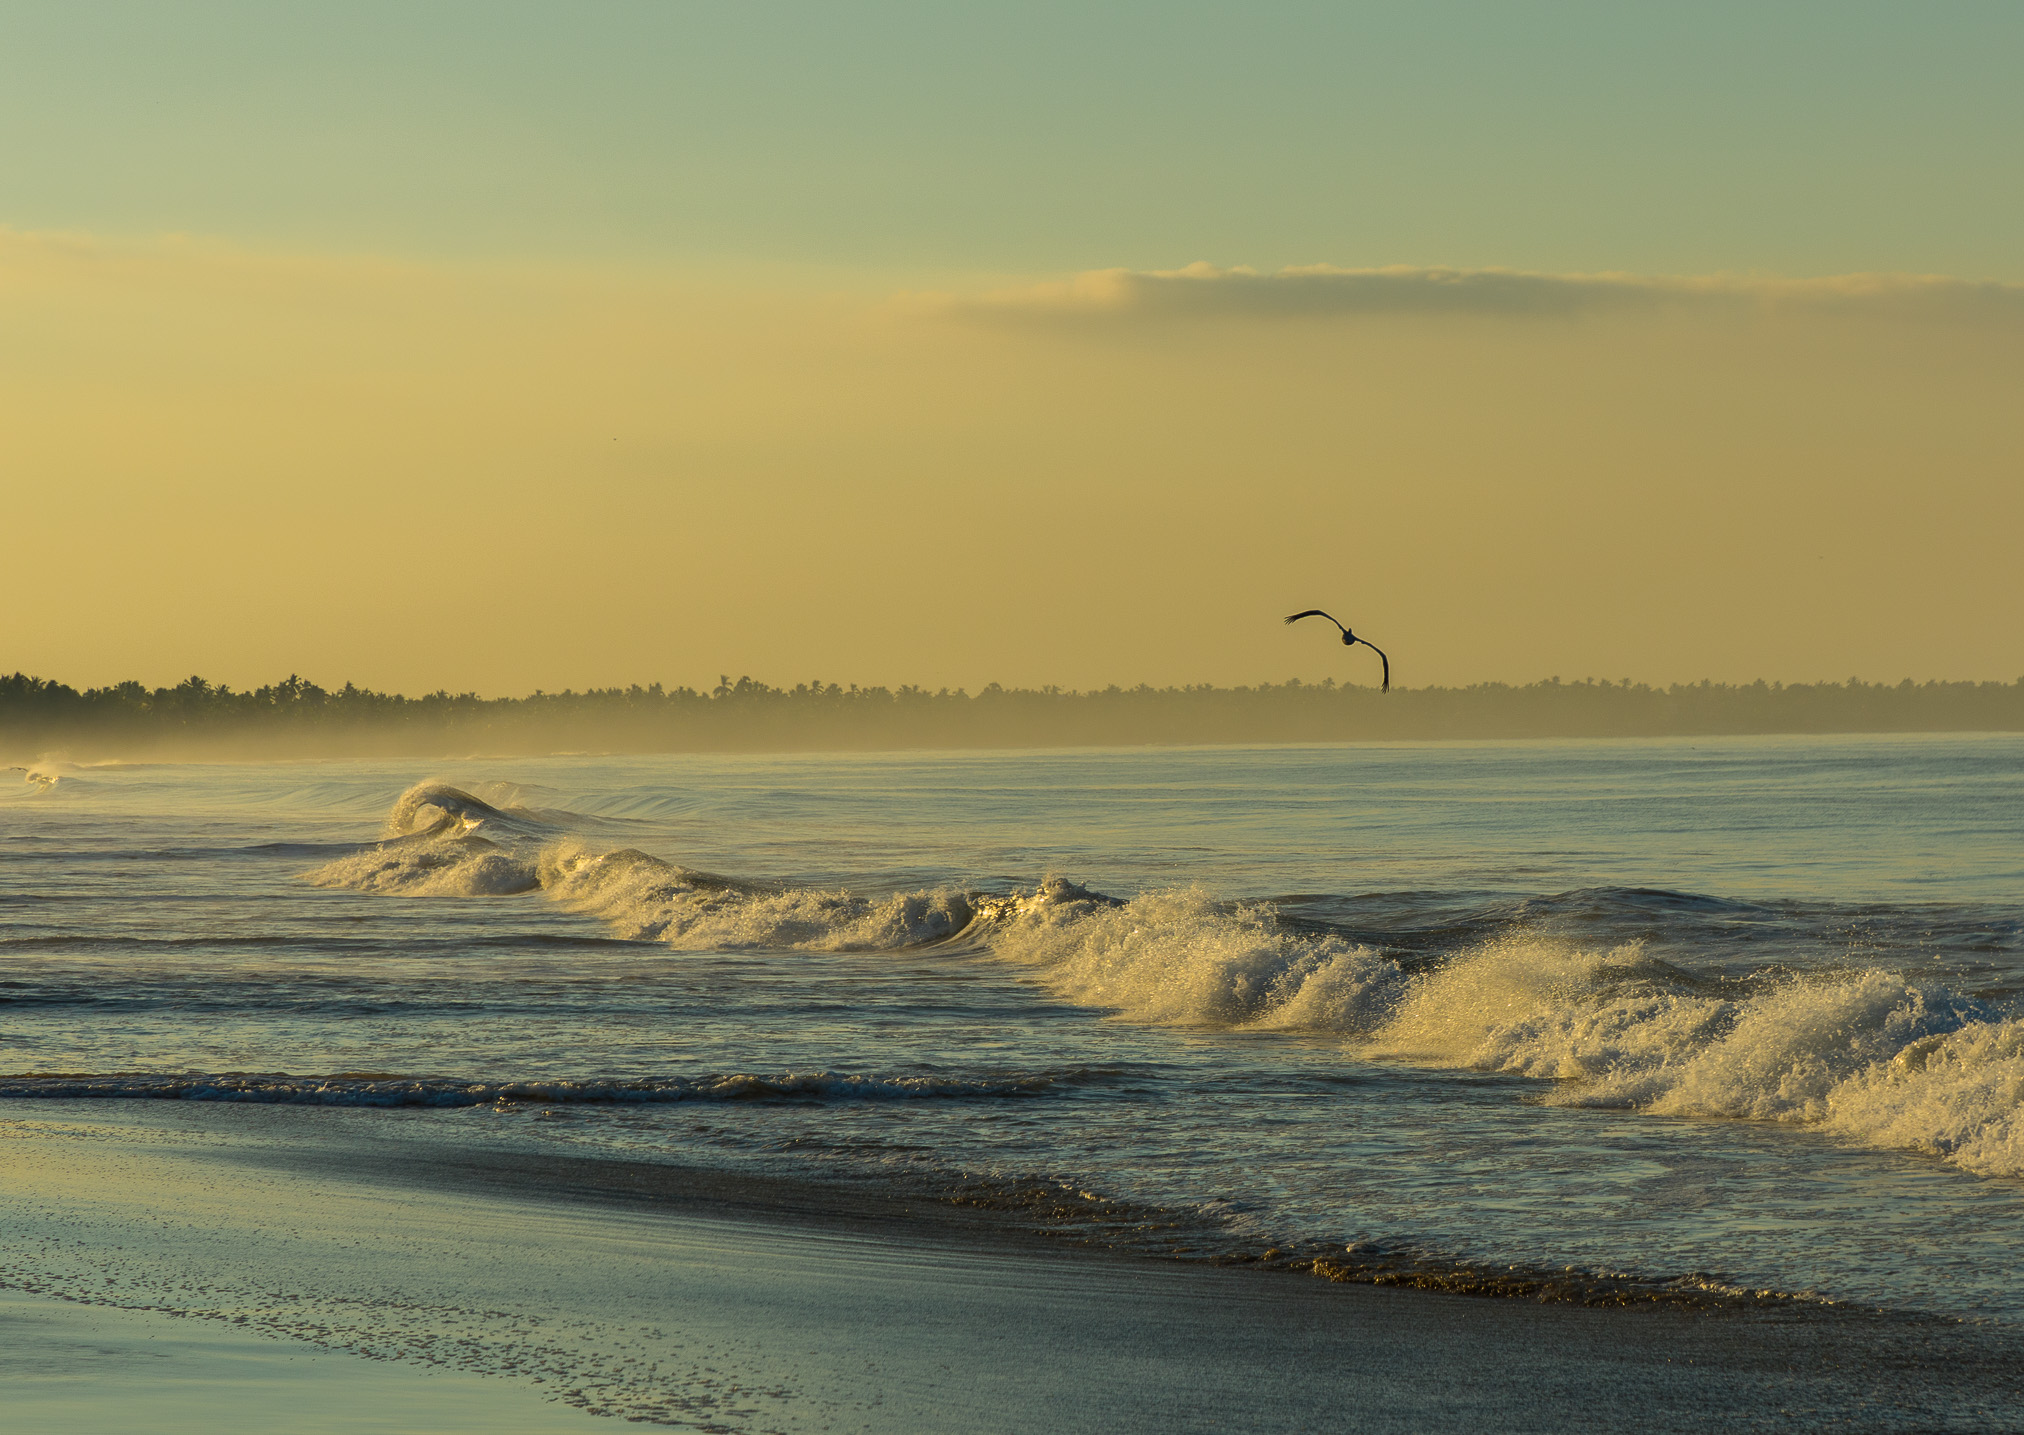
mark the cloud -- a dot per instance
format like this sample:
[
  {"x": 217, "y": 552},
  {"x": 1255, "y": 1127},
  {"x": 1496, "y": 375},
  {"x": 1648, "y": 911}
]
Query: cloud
[{"x": 1324, "y": 291}]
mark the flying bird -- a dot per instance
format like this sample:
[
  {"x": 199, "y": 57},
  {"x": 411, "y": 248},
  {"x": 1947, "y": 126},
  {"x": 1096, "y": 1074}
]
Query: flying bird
[{"x": 1349, "y": 638}]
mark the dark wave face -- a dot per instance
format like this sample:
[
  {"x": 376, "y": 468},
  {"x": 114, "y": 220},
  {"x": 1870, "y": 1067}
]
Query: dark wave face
[{"x": 1730, "y": 1017}]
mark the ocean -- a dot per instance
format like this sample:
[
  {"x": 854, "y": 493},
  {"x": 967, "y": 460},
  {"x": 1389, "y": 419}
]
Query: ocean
[{"x": 1710, "y": 1022}]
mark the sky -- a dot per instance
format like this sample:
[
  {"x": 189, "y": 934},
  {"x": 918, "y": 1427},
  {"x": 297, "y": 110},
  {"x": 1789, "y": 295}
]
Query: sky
[{"x": 509, "y": 346}]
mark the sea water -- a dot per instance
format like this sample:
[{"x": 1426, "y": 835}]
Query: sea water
[{"x": 1738, "y": 1017}]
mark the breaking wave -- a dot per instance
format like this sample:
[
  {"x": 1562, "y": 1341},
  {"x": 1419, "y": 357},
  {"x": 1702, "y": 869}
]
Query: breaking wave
[
  {"x": 434, "y": 809},
  {"x": 45, "y": 775},
  {"x": 440, "y": 841},
  {"x": 446, "y": 867},
  {"x": 1868, "y": 1055},
  {"x": 1182, "y": 958},
  {"x": 644, "y": 898}
]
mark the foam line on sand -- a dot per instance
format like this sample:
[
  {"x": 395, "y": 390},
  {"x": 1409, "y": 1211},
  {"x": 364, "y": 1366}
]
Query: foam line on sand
[{"x": 354, "y": 1237}]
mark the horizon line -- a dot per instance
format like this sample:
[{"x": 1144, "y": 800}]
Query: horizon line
[{"x": 21, "y": 683}]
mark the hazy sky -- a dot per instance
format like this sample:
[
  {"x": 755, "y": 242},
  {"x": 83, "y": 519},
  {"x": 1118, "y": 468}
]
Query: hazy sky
[{"x": 501, "y": 346}]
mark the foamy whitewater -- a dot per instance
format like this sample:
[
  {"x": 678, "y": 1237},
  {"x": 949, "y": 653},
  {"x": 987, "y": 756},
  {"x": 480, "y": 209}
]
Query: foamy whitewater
[{"x": 1737, "y": 1015}]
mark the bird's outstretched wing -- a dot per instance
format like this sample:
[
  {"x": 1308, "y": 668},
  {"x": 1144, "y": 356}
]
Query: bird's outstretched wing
[
  {"x": 1315, "y": 613},
  {"x": 1382, "y": 659}
]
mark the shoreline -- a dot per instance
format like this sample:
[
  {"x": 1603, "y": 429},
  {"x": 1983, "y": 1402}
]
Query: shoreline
[
  {"x": 718, "y": 1301},
  {"x": 1021, "y": 1217}
]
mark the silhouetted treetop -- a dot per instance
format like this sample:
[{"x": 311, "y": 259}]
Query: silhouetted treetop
[{"x": 298, "y": 718}]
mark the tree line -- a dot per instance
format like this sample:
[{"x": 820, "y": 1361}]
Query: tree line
[{"x": 297, "y": 718}]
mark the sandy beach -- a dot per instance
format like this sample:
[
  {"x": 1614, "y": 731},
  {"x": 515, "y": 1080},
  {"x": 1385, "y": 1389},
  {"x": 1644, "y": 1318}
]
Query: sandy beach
[
  {"x": 897, "y": 719},
  {"x": 97, "y": 1369},
  {"x": 283, "y": 1269}
]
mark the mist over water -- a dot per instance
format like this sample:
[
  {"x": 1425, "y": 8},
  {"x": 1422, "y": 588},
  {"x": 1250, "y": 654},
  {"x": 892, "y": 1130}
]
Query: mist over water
[{"x": 1738, "y": 1015}]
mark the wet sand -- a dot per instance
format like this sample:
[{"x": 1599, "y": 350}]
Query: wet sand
[
  {"x": 292, "y": 1269},
  {"x": 98, "y": 1370}
]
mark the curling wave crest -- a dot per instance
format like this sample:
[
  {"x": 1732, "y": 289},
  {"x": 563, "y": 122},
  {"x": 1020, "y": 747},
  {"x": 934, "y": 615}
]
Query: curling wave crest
[
  {"x": 644, "y": 898},
  {"x": 1866, "y": 1054},
  {"x": 440, "y": 841},
  {"x": 1181, "y": 958},
  {"x": 455, "y": 866}
]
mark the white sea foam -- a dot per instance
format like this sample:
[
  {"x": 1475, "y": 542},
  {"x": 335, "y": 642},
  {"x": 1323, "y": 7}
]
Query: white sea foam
[
  {"x": 644, "y": 898},
  {"x": 432, "y": 847},
  {"x": 47, "y": 772},
  {"x": 454, "y": 866},
  {"x": 1866, "y": 1054},
  {"x": 1181, "y": 958},
  {"x": 1958, "y": 1095}
]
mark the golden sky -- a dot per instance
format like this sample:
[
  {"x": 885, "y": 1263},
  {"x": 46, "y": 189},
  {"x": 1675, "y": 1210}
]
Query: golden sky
[
  {"x": 363, "y": 348},
  {"x": 420, "y": 476}
]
